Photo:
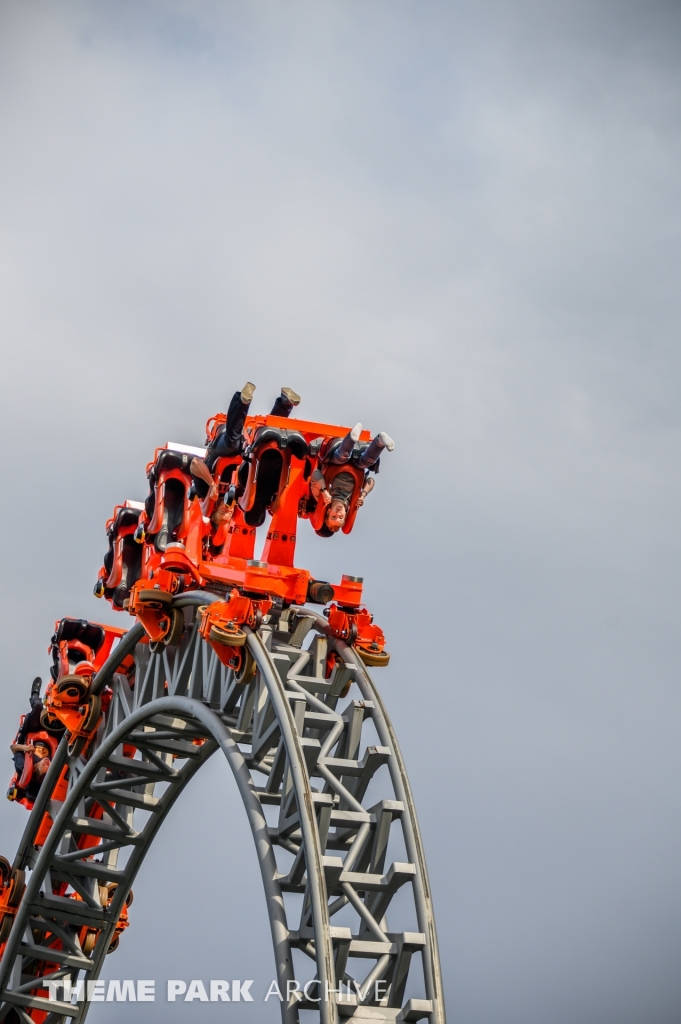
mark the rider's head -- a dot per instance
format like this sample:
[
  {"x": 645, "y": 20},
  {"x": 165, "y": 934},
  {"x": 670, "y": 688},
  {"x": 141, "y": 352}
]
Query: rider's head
[
  {"x": 336, "y": 514},
  {"x": 42, "y": 752}
]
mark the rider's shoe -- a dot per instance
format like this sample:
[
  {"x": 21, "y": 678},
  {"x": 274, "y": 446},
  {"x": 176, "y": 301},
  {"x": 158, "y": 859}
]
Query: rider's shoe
[
  {"x": 290, "y": 395},
  {"x": 35, "y": 687},
  {"x": 385, "y": 440},
  {"x": 247, "y": 393},
  {"x": 356, "y": 431}
]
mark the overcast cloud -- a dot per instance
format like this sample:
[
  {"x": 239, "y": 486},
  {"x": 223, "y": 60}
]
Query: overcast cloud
[{"x": 457, "y": 222}]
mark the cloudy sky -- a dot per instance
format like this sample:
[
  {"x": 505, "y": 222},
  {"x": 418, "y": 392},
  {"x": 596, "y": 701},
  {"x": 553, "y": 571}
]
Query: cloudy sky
[{"x": 458, "y": 222}]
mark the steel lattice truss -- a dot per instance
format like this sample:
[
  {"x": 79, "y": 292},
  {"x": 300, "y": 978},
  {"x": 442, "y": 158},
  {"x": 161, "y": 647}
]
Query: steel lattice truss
[{"x": 326, "y": 794}]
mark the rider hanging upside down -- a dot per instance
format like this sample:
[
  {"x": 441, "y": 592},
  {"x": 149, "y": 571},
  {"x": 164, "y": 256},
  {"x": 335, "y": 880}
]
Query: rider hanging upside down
[
  {"x": 230, "y": 439},
  {"x": 39, "y": 751},
  {"x": 337, "y": 496}
]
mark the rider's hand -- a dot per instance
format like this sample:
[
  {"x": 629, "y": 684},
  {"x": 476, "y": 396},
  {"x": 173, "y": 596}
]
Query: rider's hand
[{"x": 223, "y": 514}]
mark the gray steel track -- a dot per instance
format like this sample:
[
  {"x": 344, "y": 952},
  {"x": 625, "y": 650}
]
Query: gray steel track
[{"x": 326, "y": 795}]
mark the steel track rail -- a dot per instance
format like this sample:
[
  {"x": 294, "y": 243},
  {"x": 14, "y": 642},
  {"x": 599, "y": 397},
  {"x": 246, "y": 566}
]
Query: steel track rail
[
  {"x": 400, "y": 780},
  {"x": 310, "y": 765}
]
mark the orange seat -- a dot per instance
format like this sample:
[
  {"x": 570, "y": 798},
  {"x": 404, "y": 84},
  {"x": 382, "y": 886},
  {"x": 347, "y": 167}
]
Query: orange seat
[
  {"x": 123, "y": 561},
  {"x": 75, "y": 641},
  {"x": 167, "y": 506},
  {"x": 269, "y": 461}
]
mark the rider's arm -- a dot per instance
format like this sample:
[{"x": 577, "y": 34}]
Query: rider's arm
[
  {"x": 318, "y": 486},
  {"x": 368, "y": 487}
]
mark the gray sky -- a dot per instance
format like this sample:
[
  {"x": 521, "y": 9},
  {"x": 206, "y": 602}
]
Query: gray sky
[{"x": 457, "y": 222}]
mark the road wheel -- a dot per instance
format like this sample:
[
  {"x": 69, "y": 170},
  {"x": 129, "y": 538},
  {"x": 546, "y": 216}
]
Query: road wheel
[
  {"x": 373, "y": 658},
  {"x": 155, "y": 598},
  {"x": 176, "y": 628},
  {"x": 232, "y": 636},
  {"x": 73, "y": 687},
  {"x": 246, "y": 670}
]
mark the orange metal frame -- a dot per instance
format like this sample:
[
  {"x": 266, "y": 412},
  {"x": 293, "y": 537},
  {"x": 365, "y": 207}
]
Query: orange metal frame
[{"x": 222, "y": 557}]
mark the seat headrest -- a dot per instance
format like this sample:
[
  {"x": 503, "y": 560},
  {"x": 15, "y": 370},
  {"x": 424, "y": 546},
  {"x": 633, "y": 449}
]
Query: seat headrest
[
  {"x": 80, "y": 629},
  {"x": 169, "y": 459},
  {"x": 283, "y": 438},
  {"x": 126, "y": 517}
]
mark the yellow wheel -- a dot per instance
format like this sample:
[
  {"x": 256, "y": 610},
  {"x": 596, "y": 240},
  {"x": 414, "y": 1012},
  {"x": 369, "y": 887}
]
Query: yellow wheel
[
  {"x": 233, "y": 637},
  {"x": 6, "y": 927},
  {"x": 246, "y": 670},
  {"x": 176, "y": 628},
  {"x": 111, "y": 892},
  {"x": 5, "y": 871},
  {"x": 17, "y": 886},
  {"x": 94, "y": 709},
  {"x": 74, "y": 687},
  {"x": 373, "y": 658},
  {"x": 76, "y": 746},
  {"x": 50, "y": 722},
  {"x": 155, "y": 598},
  {"x": 94, "y": 705}
]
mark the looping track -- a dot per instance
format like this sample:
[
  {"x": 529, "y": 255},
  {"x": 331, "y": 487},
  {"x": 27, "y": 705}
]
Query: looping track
[{"x": 326, "y": 795}]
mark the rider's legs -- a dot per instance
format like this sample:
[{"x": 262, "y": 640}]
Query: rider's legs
[
  {"x": 285, "y": 402},
  {"x": 340, "y": 451},
  {"x": 372, "y": 452}
]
